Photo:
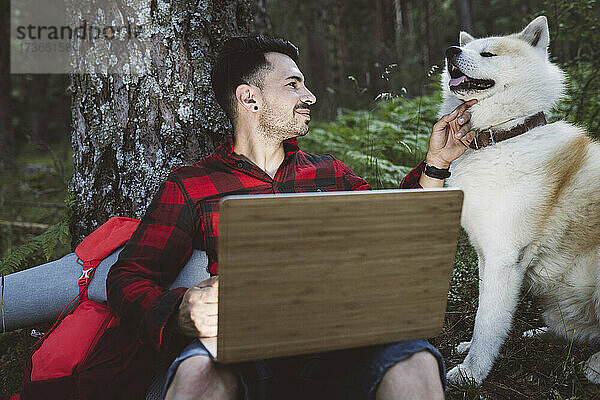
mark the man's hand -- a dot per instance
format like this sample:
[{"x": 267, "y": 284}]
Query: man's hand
[
  {"x": 450, "y": 137},
  {"x": 198, "y": 312}
]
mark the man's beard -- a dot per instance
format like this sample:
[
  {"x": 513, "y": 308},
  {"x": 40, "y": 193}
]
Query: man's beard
[{"x": 274, "y": 124}]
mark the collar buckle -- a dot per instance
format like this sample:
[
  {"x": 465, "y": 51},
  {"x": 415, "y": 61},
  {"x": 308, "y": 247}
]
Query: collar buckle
[
  {"x": 492, "y": 140},
  {"x": 475, "y": 141}
]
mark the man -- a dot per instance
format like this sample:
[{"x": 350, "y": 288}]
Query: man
[{"x": 262, "y": 91}]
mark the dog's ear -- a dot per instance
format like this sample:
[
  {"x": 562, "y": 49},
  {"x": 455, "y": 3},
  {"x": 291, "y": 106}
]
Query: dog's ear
[
  {"x": 537, "y": 33},
  {"x": 464, "y": 38}
]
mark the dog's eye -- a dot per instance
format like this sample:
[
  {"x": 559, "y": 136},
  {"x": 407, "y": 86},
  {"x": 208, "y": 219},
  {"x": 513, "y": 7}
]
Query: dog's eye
[{"x": 486, "y": 54}]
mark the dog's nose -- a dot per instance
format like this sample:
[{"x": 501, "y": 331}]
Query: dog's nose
[{"x": 453, "y": 52}]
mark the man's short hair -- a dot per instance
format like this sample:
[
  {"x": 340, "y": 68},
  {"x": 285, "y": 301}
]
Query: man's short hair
[{"x": 242, "y": 60}]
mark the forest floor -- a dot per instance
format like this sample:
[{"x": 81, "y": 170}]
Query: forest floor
[{"x": 526, "y": 369}]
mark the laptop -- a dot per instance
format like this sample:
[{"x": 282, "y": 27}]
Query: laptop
[{"x": 313, "y": 272}]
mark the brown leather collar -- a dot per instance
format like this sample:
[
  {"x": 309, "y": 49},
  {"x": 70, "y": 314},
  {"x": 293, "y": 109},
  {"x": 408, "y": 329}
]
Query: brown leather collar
[{"x": 490, "y": 136}]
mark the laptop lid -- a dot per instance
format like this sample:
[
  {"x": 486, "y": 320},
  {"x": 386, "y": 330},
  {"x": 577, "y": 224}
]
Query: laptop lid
[{"x": 302, "y": 273}]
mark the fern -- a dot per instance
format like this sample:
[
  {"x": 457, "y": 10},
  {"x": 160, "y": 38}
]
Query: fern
[
  {"x": 43, "y": 244},
  {"x": 382, "y": 144}
]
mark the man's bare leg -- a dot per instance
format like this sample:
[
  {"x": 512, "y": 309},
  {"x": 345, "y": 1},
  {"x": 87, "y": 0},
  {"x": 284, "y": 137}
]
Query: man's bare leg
[
  {"x": 417, "y": 377},
  {"x": 199, "y": 377}
]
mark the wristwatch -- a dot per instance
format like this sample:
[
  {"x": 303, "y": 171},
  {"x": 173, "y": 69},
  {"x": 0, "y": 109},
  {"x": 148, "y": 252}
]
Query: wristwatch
[{"x": 436, "y": 173}]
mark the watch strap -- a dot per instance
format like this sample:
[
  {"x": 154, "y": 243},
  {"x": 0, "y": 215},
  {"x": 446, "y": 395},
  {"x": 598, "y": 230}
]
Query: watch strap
[{"x": 436, "y": 173}]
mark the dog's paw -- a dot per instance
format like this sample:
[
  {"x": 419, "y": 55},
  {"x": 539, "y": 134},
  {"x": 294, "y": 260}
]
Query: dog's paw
[
  {"x": 538, "y": 333},
  {"x": 463, "y": 347},
  {"x": 591, "y": 368},
  {"x": 461, "y": 374}
]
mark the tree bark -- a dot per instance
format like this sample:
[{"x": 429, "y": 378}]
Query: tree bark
[
  {"x": 7, "y": 135},
  {"x": 130, "y": 131}
]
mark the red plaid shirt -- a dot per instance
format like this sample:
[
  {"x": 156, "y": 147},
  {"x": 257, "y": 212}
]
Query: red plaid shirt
[{"x": 184, "y": 215}]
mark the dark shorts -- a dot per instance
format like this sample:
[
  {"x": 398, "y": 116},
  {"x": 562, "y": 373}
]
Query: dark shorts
[{"x": 346, "y": 374}]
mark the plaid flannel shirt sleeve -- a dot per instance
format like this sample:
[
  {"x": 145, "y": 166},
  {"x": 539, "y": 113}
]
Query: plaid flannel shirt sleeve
[
  {"x": 411, "y": 180},
  {"x": 152, "y": 258},
  {"x": 350, "y": 179}
]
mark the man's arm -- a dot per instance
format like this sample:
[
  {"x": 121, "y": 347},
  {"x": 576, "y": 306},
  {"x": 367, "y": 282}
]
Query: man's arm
[
  {"x": 152, "y": 258},
  {"x": 412, "y": 180}
]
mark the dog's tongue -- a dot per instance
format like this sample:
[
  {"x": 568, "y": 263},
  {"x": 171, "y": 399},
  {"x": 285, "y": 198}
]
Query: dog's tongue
[{"x": 457, "y": 81}]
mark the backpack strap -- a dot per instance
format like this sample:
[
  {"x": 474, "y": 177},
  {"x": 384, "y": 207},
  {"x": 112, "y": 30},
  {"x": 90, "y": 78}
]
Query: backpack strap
[
  {"x": 88, "y": 270},
  {"x": 100, "y": 244}
]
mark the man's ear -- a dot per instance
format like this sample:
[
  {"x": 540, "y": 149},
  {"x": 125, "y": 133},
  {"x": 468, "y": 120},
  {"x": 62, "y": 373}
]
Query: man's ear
[{"x": 246, "y": 96}]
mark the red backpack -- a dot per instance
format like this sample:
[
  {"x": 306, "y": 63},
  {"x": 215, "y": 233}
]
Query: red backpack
[{"x": 88, "y": 355}]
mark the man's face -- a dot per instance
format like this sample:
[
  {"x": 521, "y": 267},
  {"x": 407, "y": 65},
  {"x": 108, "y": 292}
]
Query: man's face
[{"x": 285, "y": 109}]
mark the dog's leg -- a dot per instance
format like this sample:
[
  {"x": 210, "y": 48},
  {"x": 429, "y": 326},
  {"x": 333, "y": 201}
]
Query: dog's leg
[
  {"x": 500, "y": 282},
  {"x": 463, "y": 347},
  {"x": 538, "y": 333},
  {"x": 592, "y": 368}
]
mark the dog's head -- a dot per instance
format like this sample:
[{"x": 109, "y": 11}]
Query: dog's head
[{"x": 510, "y": 69}]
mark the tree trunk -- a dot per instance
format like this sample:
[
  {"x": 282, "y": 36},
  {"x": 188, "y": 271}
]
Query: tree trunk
[
  {"x": 317, "y": 55},
  {"x": 388, "y": 21},
  {"x": 262, "y": 22},
  {"x": 525, "y": 8},
  {"x": 385, "y": 52},
  {"x": 427, "y": 50},
  {"x": 62, "y": 113},
  {"x": 464, "y": 11},
  {"x": 341, "y": 45},
  {"x": 7, "y": 134},
  {"x": 401, "y": 28},
  {"x": 285, "y": 9},
  {"x": 38, "y": 109},
  {"x": 130, "y": 131}
]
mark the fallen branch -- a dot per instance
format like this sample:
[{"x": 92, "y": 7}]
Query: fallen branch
[
  {"x": 35, "y": 204},
  {"x": 25, "y": 225}
]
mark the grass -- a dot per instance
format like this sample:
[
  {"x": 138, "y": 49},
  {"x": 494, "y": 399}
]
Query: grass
[
  {"x": 526, "y": 369},
  {"x": 14, "y": 349}
]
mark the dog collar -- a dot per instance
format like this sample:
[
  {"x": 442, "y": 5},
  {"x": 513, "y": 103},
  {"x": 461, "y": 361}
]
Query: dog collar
[{"x": 490, "y": 136}]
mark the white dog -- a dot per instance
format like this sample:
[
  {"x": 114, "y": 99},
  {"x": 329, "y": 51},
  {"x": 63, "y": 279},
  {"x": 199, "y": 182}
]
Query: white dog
[{"x": 532, "y": 194}]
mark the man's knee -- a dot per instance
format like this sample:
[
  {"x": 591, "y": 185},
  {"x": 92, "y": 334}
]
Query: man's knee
[
  {"x": 422, "y": 360},
  {"x": 200, "y": 377},
  {"x": 417, "y": 376}
]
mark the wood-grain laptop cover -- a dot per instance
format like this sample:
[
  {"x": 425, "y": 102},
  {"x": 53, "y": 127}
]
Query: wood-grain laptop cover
[{"x": 302, "y": 273}]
